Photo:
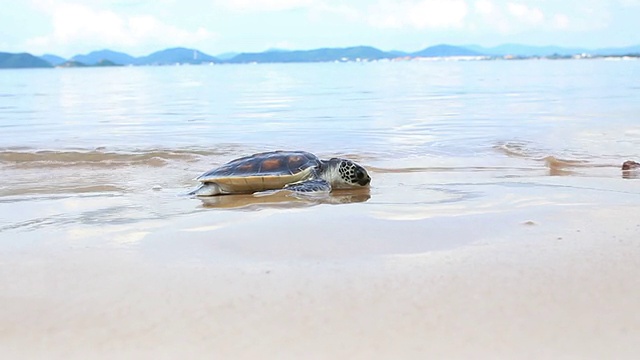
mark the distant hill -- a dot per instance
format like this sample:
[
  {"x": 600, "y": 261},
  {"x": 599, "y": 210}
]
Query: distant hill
[
  {"x": 177, "y": 56},
  {"x": 77, "y": 64},
  {"x": 446, "y": 50},
  {"x": 317, "y": 55},
  {"x": 272, "y": 50},
  {"x": 115, "y": 57},
  {"x": 22, "y": 60},
  {"x": 53, "y": 59},
  {"x": 105, "y": 63},
  {"x": 72, "y": 64}
]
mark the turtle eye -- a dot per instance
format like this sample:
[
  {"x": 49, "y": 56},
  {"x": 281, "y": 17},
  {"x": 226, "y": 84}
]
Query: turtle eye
[{"x": 359, "y": 174}]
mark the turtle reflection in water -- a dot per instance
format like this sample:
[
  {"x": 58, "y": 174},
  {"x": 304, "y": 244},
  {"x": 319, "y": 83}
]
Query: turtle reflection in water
[
  {"x": 284, "y": 200},
  {"x": 296, "y": 171}
]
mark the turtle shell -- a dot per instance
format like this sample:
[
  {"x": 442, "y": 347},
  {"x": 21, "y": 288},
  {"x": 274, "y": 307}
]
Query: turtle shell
[{"x": 264, "y": 171}]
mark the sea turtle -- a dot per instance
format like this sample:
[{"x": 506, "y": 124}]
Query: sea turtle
[{"x": 298, "y": 171}]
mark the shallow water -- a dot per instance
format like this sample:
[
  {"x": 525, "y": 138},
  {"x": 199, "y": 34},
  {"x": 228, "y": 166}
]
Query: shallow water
[{"x": 116, "y": 149}]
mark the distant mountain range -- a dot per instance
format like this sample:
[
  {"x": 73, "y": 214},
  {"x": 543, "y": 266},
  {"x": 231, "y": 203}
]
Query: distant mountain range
[
  {"x": 357, "y": 53},
  {"x": 164, "y": 57}
]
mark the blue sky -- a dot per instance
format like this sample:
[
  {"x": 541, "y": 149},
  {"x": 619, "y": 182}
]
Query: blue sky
[{"x": 70, "y": 27}]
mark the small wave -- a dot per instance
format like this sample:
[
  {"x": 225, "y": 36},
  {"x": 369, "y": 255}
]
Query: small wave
[
  {"x": 518, "y": 150},
  {"x": 558, "y": 165},
  {"x": 27, "y": 158},
  {"x": 529, "y": 152},
  {"x": 62, "y": 189},
  {"x": 554, "y": 162}
]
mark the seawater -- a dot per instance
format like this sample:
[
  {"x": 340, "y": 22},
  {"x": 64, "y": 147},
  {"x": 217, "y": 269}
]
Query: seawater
[{"x": 117, "y": 147}]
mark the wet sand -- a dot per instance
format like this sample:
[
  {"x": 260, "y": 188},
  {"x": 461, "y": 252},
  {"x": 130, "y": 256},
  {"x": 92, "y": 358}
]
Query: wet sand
[{"x": 329, "y": 282}]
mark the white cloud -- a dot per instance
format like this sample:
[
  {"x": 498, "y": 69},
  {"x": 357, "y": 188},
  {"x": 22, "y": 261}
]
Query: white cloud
[
  {"x": 561, "y": 21},
  {"x": 137, "y": 26},
  {"x": 281, "y": 45},
  {"x": 264, "y": 5},
  {"x": 484, "y": 7},
  {"x": 526, "y": 14},
  {"x": 76, "y": 24},
  {"x": 418, "y": 14},
  {"x": 630, "y": 3},
  {"x": 336, "y": 10},
  {"x": 510, "y": 17},
  {"x": 490, "y": 16}
]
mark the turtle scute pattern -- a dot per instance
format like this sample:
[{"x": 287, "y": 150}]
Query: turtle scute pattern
[
  {"x": 278, "y": 163},
  {"x": 264, "y": 171}
]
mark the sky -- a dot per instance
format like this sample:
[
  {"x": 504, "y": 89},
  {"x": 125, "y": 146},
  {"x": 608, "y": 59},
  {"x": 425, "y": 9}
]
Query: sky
[{"x": 70, "y": 27}]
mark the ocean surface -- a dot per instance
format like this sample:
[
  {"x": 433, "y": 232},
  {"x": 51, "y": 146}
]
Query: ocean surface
[{"x": 460, "y": 149}]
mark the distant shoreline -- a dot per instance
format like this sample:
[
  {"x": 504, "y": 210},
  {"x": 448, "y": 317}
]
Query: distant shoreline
[{"x": 184, "y": 56}]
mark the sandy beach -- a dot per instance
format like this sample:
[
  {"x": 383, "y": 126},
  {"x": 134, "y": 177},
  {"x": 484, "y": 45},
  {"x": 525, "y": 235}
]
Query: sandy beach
[{"x": 562, "y": 285}]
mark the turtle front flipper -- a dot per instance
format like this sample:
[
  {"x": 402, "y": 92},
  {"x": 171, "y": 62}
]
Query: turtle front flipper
[
  {"x": 206, "y": 189},
  {"x": 311, "y": 185}
]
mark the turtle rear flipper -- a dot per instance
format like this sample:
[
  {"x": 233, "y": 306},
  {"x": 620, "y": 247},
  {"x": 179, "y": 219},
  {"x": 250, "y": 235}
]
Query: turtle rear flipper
[{"x": 308, "y": 186}]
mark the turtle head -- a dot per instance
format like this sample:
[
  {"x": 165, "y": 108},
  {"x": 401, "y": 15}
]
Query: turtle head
[{"x": 347, "y": 174}]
